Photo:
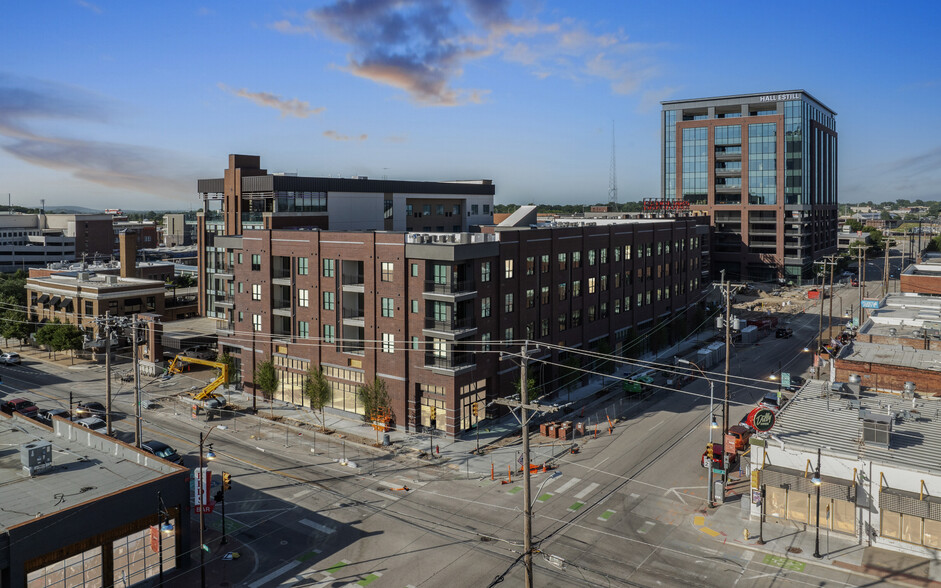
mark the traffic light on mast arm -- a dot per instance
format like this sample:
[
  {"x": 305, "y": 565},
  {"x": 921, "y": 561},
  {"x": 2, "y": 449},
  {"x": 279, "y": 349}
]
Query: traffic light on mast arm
[{"x": 226, "y": 481}]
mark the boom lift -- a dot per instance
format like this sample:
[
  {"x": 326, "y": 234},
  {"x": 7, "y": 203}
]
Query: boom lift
[{"x": 208, "y": 392}]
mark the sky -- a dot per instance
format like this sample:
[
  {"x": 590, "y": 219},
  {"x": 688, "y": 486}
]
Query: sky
[{"x": 113, "y": 104}]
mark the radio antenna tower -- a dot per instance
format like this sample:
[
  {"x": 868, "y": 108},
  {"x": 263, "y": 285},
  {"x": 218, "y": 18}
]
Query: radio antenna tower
[{"x": 613, "y": 174}]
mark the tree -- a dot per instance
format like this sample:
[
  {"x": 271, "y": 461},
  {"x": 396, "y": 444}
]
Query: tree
[
  {"x": 14, "y": 323},
  {"x": 67, "y": 337},
  {"x": 229, "y": 361},
  {"x": 374, "y": 398},
  {"x": 885, "y": 215},
  {"x": 318, "y": 391},
  {"x": 265, "y": 379},
  {"x": 532, "y": 390}
]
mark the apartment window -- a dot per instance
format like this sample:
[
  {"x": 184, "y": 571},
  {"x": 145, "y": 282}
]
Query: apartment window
[
  {"x": 485, "y": 271},
  {"x": 530, "y": 266},
  {"x": 302, "y": 298},
  {"x": 627, "y": 303},
  {"x": 604, "y": 283},
  {"x": 627, "y": 252},
  {"x": 441, "y": 273},
  {"x": 414, "y": 342},
  {"x": 617, "y": 279},
  {"x": 617, "y": 306},
  {"x": 576, "y": 318},
  {"x": 241, "y": 316},
  {"x": 414, "y": 306},
  {"x": 303, "y": 329},
  {"x": 617, "y": 254},
  {"x": 439, "y": 209},
  {"x": 562, "y": 261},
  {"x": 544, "y": 264},
  {"x": 388, "y": 343},
  {"x": 531, "y": 330},
  {"x": 544, "y": 295},
  {"x": 426, "y": 210},
  {"x": 666, "y": 247},
  {"x": 302, "y": 266},
  {"x": 485, "y": 340},
  {"x": 659, "y": 294},
  {"x": 329, "y": 334},
  {"x": 475, "y": 209},
  {"x": 659, "y": 247},
  {"x": 648, "y": 270},
  {"x": 256, "y": 322},
  {"x": 659, "y": 271},
  {"x": 591, "y": 313},
  {"x": 508, "y": 334},
  {"x": 640, "y": 252},
  {"x": 591, "y": 285},
  {"x": 544, "y": 327},
  {"x": 456, "y": 209},
  {"x": 256, "y": 262},
  {"x": 649, "y": 250},
  {"x": 387, "y": 271},
  {"x": 576, "y": 288},
  {"x": 485, "y": 307},
  {"x": 508, "y": 303},
  {"x": 414, "y": 270},
  {"x": 591, "y": 257},
  {"x": 604, "y": 255},
  {"x": 562, "y": 291},
  {"x": 576, "y": 259},
  {"x": 530, "y": 298},
  {"x": 486, "y": 209},
  {"x": 666, "y": 292},
  {"x": 603, "y": 310},
  {"x": 329, "y": 268},
  {"x": 241, "y": 287},
  {"x": 508, "y": 268},
  {"x": 329, "y": 300},
  {"x": 256, "y": 291},
  {"x": 388, "y": 307},
  {"x": 640, "y": 299},
  {"x": 648, "y": 296},
  {"x": 240, "y": 255}
]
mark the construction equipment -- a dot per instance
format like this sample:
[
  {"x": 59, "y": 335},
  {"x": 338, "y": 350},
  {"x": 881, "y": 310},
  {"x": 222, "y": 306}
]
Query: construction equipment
[{"x": 208, "y": 392}]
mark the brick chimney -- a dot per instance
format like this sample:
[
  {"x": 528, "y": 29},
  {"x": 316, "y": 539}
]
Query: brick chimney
[{"x": 127, "y": 249}]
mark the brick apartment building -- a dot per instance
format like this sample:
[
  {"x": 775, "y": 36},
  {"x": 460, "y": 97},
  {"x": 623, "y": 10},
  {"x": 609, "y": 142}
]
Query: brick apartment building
[
  {"x": 429, "y": 310},
  {"x": 764, "y": 168}
]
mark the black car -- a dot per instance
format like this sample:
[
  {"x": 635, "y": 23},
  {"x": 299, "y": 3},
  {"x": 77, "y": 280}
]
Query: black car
[
  {"x": 783, "y": 333},
  {"x": 45, "y": 415},
  {"x": 90, "y": 409},
  {"x": 796, "y": 382},
  {"x": 163, "y": 451}
]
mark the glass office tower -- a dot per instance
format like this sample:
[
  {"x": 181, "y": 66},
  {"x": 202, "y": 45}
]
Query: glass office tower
[{"x": 764, "y": 168}]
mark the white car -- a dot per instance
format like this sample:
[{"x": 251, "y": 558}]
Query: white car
[
  {"x": 94, "y": 423},
  {"x": 10, "y": 358}
]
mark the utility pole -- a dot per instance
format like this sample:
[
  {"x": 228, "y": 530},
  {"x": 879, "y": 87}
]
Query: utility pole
[
  {"x": 830, "y": 319},
  {"x": 135, "y": 348},
  {"x": 524, "y": 418},
  {"x": 254, "y": 392},
  {"x": 885, "y": 271},
  {"x": 108, "y": 373},
  {"x": 861, "y": 278},
  {"x": 819, "y": 349}
]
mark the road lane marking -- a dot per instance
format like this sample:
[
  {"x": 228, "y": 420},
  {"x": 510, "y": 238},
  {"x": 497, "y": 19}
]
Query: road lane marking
[
  {"x": 337, "y": 566},
  {"x": 545, "y": 497},
  {"x": 369, "y": 579},
  {"x": 278, "y": 572},
  {"x": 318, "y": 526},
  {"x": 606, "y": 515},
  {"x": 709, "y": 531},
  {"x": 568, "y": 485},
  {"x": 301, "y": 493},
  {"x": 576, "y": 506},
  {"x": 591, "y": 488}
]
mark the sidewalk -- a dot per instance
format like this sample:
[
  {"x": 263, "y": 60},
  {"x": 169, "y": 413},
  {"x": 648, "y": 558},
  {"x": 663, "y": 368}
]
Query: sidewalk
[{"x": 790, "y": 545}]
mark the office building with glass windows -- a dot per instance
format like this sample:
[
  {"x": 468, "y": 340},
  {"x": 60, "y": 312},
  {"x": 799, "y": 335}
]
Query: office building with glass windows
[{"x": 764, "y": 168}]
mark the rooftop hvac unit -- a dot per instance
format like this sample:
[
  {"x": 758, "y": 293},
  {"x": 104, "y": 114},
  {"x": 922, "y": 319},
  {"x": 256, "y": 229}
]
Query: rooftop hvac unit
[
  {"x": 877, "y": 428},
  {"x": 36, "y": 456},
  {"x": 893, "y": 332}
]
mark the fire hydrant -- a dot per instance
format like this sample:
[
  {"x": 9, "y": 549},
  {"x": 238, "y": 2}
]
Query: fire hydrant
[
  {"x": 746, "y": 534},
  {"x": 437, "y": 450}
]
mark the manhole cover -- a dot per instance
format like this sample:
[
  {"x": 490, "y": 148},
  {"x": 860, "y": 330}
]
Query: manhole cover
[
  {"x": 794, "y": 550},
  {"x": 284, "y": 542}
]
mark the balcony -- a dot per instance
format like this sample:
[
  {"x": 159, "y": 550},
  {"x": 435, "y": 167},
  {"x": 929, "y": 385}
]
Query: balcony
[
  {"x": 454, "y": 287},
  {"x": 450, "y": 329},
  {"x": 253, "y": 218},
  {"x": 282, "y": 306},
  {"x": 454, "y": 362},
  {"x": 354, "y": 316},
  {"x": 352, "y": 346},
  {"x": 225, "y": 329}
]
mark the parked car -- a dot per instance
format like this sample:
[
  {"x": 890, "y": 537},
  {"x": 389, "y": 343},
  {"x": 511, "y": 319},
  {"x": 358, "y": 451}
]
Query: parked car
[
  {"x": 783, "y": 333},
  {"x": 796, "y": 383},
  {"x": 742, "y": 434},
  {"x": 770, "y": 400},
  {"x": 201, "y": 352},
  {"x": 45, "y": 415},
  {"x": 163, "y": 451},
  {"x": 94, "y": 423},
  {"x": 10, "y": 358},
  {"x": 20, "y": 405},
  {"x": 855, "y": 282},
  {"x": 90, "y": 409}
]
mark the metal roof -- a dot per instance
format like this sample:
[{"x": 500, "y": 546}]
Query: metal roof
[
  {"x": 812, "y": 419},
  {"x": 894, "y": 355}
]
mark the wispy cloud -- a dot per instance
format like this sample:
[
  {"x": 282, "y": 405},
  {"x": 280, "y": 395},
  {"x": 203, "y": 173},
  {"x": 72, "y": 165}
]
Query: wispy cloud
[
  {"x": 293, "y": 107},
  {"x": 913, "y": 176},
  {"x": 114, "y": 165},
  {"x": 397, "y": 139},
  {"x": 422, "y": 46},
  {"x": 88, "y": 6},
  {"x": 338, "y": 137}
]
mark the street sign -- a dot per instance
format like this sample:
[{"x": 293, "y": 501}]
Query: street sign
[
  {"x": 202, "y": 481},
  {"x": 756, "y": 496},
  {"x": 786, "y": 379}
]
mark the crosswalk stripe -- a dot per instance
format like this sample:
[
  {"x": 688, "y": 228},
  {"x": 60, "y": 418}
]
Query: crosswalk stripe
[
  {"x": 588, "y": 490},
  {"x": 568, "y": 485},
  {"x": 318, "y": 526}
]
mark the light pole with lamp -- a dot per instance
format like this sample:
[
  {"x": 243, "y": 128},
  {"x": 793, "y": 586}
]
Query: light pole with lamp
[
  {"x": 817, "y": 482},
  {"x": 710, "y": 494},
  {"x": 163, "y": 526},
  {"x": 202, "y": 503}
]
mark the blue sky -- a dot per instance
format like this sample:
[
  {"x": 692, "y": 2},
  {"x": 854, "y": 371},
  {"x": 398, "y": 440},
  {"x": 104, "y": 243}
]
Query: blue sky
[{"x": 126, "y": 104}]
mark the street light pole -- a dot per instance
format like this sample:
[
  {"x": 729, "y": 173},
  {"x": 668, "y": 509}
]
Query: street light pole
[
  {"x": 710, "y": 493},
  {"x": 817, "y": 482},
  {"x": 201, "y": 503}
]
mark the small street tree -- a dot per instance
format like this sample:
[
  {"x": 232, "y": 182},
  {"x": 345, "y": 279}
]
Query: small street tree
[
  {"x": 318, "y": 391},
  {"x": 45, "y": 335},
  {"x": 67, "y": 337},
  {"x": 14, "y": 323},
  {"x": 265, "y": 379},
  {"x": 375, "y": 398},
  {"x": 532, "y": 390},
  {"x": 229, "y": 362}
]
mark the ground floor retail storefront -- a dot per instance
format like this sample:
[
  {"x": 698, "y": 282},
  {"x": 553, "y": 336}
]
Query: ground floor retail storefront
[{"x": 792, "y": 495}]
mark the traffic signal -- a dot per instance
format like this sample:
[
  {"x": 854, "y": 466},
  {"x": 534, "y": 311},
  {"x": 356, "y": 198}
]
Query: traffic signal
[
  {"x": 226, "y": 481},
  {"x": 220, "y": 496},
  {"x": 708, "y": 452},
  {"x": 474, "y": 408},
  {"x": 434, "y": 413}
]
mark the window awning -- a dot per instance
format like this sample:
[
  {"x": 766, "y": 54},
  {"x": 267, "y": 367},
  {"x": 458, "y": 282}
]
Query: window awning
[
  {"x": 795, "y": 480},
  {"x": 43, "y": 299},
  {"x": 67, "y": 304},
  {"x": 54, "y": 301}
]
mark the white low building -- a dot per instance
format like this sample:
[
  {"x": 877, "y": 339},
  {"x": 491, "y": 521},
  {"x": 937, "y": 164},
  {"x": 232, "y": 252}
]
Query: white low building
[{"x": 880, "y": 467}]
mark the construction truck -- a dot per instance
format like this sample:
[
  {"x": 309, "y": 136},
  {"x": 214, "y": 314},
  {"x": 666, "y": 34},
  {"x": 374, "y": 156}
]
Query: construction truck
[{"x": 207, "y": 397}]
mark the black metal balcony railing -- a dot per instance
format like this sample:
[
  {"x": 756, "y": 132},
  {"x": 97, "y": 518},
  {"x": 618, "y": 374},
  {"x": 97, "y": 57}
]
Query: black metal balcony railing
[
  {"x": 252, "y": 217},
  {"x": 354, "y": 346},
  {"x": 281, "y": 303},
  {"x": 457, "y": 324},
  {"x": 449, "y": 287},
  {"x": 281, "y": 272},
  {"x": 454, "y": 361},
  {"x": 354, "y": 313},
  {"x": 353, "y": 279}
]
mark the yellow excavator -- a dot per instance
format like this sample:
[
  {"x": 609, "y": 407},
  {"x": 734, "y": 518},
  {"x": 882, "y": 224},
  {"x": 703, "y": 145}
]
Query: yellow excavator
[{"x": 207, "y": 394}]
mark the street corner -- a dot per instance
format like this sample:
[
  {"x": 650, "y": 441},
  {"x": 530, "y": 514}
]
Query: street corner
[
  {"x": 699, "y": 523},
  {"x": 230, "y": 563}
]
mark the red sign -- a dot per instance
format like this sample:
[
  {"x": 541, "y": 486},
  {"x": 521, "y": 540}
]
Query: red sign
[
  {"x": 729, "y": 444},
  {"x": 206, "y": 508},
  {"x": 652, "y": 205},
  {"x": 155, "y": 538}
]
